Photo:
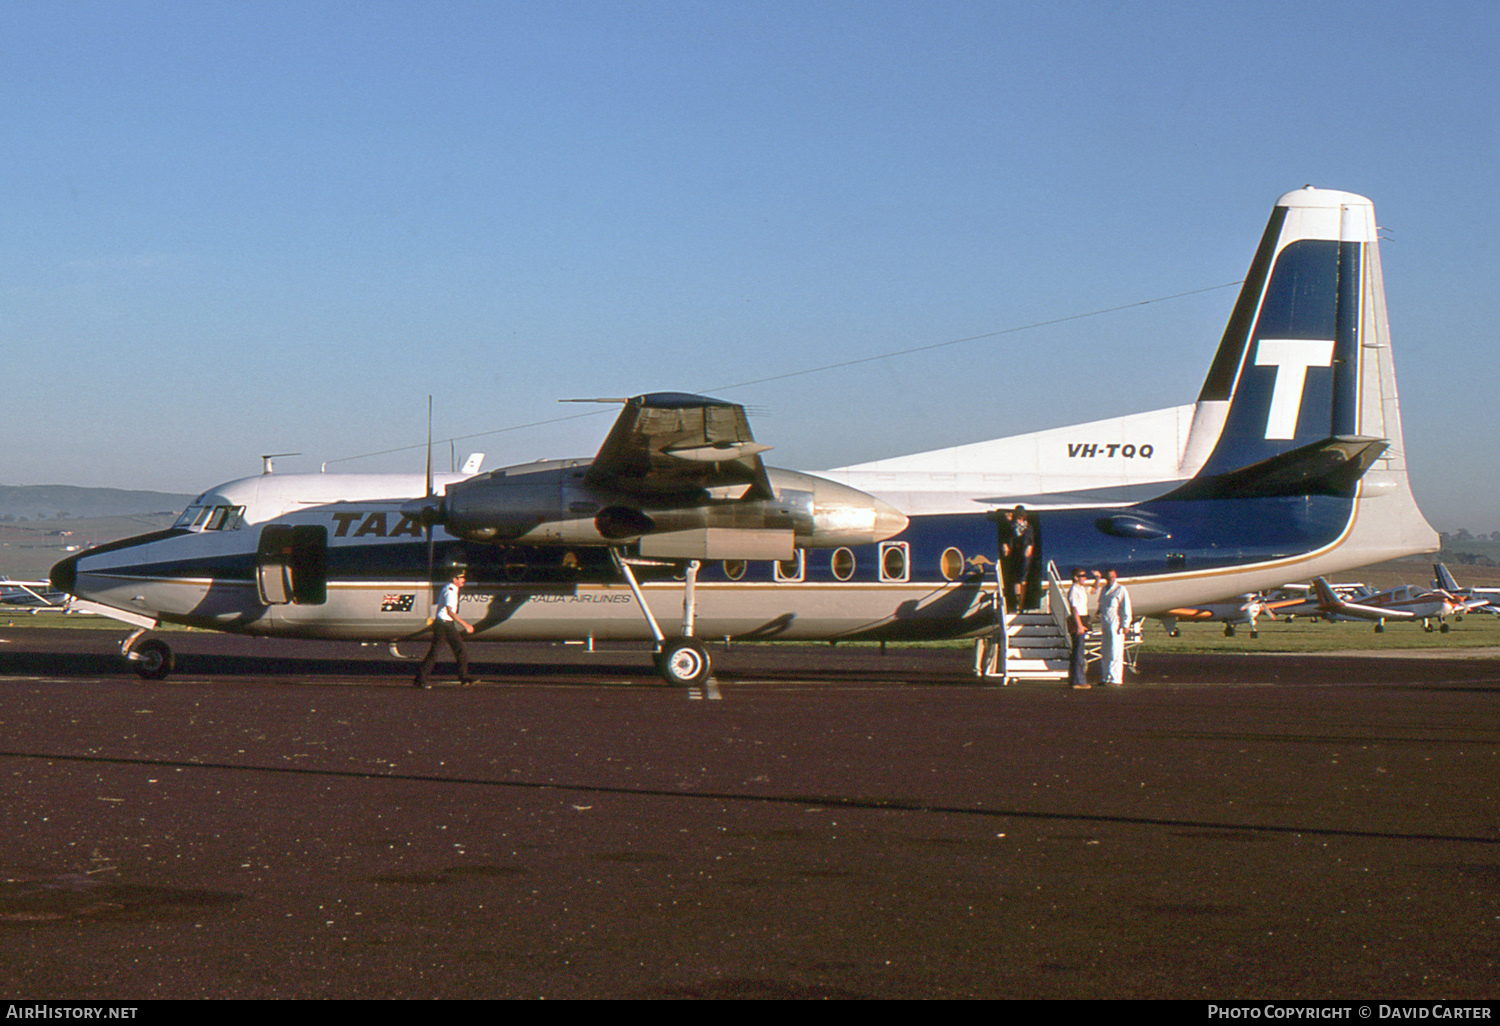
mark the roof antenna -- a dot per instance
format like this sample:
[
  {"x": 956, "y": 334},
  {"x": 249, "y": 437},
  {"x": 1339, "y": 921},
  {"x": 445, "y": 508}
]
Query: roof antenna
[{"x": 266, "y": 467}]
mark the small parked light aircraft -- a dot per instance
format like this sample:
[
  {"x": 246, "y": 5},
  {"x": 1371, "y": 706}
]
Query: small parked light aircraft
[
  {"x": 1400, "y": 603},
  {"x": 1242, "y": 609},
  {"x": 1295, "y": 449},
  {"x": 1488, "y": 598}
]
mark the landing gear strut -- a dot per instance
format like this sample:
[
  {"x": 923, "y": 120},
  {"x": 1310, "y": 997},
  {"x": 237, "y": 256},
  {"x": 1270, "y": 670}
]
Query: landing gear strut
[{"x": 682, "y": 660}]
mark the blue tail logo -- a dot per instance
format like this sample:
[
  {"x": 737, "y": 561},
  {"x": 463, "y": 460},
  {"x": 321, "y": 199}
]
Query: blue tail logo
[{"x": 1291, "y": 351}]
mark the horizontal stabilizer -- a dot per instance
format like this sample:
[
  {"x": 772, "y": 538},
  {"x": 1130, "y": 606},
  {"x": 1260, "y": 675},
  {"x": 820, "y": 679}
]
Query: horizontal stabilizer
[{"x": 1330, "y": 467}]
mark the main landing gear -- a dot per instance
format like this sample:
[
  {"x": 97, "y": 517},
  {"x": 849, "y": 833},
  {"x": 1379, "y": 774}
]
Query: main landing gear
[
  {"x": 151, "y": 659},
  {"x": 683, "y": 660}
]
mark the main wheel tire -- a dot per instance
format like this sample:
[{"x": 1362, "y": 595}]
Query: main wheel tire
[
  {"x": 154, "y": 661},
  {"x": 684, "y": 661}
]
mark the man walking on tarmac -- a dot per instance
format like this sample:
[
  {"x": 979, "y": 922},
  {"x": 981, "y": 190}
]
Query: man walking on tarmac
[{"x": 446, "y": 627}]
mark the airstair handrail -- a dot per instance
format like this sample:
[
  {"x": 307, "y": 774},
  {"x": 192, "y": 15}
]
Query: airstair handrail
[{"x": 1057, "y": 599}]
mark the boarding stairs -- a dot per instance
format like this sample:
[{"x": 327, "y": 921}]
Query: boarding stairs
[{"x": 1036, "y": 645}]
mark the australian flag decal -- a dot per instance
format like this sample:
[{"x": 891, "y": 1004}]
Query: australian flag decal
[{"x": 397, "y": 603}]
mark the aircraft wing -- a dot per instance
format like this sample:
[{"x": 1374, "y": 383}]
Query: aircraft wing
[
  {"x": 36, "y": 594},
  {"x": 671, "y": 443}
]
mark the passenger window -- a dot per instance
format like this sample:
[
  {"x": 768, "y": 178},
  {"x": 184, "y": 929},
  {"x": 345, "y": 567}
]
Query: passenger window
[
  {"x": 842, "y": 563},
  {"x": 893, "y": 561},
  {"x": 790, "y": 569},
  {"x": 952, "y": 564}
]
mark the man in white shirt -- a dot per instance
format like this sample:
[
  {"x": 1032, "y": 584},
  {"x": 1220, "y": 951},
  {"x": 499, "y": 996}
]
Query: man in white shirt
[
  {"x": 1114, "y": 620},
  {"x": 1078, "y": 626},
  {"x": 445, "y": 627}
]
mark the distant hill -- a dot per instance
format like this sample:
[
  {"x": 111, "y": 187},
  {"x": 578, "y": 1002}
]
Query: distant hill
[{"x": 56, "y": 502}]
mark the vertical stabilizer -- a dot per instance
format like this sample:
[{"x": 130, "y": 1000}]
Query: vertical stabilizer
[
  {"x": 1307, "y": 357},
  {"x": 1444, "y": 580},
  {"x": 1289, "y": 364}
]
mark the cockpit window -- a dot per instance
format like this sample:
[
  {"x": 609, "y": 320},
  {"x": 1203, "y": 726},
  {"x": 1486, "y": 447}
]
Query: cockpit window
[{"x": 211, "y": 518}]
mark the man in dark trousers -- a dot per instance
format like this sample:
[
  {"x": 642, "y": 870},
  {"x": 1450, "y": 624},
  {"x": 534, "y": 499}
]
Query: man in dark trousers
[
  {"x": 1017, "y": 552},
  {"x": 450, "y": 627},
  {"x": 1078, "y": 627}
]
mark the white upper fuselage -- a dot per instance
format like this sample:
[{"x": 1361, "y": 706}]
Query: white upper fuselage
[
  {"x": 269, "y": 496},
  {"x": 1110, "y": 462}
]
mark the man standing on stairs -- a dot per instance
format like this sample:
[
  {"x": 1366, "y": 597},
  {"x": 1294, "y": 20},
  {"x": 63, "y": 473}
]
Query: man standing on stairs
[{"x": 1017, "y": 553}]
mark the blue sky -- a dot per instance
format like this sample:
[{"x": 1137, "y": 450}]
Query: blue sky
[{"x": 236, "y": 228}]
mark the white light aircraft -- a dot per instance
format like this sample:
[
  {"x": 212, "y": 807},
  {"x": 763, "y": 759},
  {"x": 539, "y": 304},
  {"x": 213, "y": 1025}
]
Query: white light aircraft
[
  {"x": 1291, "y": 464},
  {"x": 1488, "y": 598},
  {"x": 1242, "y": 610},
  {"x": 1400, "y": 603}
]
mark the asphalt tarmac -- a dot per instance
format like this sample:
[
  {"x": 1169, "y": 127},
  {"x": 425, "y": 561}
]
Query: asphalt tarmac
[{"x": 291, "y": 820}]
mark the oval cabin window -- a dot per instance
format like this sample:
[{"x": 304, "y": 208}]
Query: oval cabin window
[
  {"x": 843, "y": 563},
  {"x": 952, "y": 564}
]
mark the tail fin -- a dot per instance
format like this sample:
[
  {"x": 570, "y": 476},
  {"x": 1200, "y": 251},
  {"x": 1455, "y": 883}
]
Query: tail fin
[
  {"x": 1327, "y": 599},
  {"x": 1445, "y": 581},
  {"x": 1301, "y": 397},
  {"x": 1289, "y": 363}
]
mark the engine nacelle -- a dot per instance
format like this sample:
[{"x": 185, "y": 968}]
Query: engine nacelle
[{"x": 550, "y": 503}]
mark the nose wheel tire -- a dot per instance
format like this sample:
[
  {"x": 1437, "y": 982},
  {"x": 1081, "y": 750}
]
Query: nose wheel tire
[
  {"x": 153, "y": 659},
  {"x": 683, "y": 661}
]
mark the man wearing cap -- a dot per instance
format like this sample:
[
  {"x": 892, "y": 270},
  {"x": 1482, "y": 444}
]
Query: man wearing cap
[
  {"x": 1078, "y": 627},
  {"x": 446, "y": 627}
]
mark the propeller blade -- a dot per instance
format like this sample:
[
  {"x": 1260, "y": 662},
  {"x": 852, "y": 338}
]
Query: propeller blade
[{"x": 428, "y": 493}]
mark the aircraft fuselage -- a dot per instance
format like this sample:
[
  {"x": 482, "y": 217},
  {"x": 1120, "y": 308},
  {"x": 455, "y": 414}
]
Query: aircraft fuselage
[{"x": 933, "y": 580}]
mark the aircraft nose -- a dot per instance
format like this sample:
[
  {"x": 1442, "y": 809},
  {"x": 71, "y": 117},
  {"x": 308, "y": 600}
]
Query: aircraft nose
[{"x": 64, "y": 575}]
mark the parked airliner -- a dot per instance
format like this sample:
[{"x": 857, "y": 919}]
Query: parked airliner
[{"x": 1293, "y": 457}]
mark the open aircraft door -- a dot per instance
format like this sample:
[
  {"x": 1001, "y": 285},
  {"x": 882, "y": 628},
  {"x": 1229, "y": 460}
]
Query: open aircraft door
[{"x": 291, "y": 564}]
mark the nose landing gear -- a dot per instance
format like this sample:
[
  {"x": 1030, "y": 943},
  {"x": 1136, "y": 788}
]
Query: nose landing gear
[{"x": 151, "y": 659}]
